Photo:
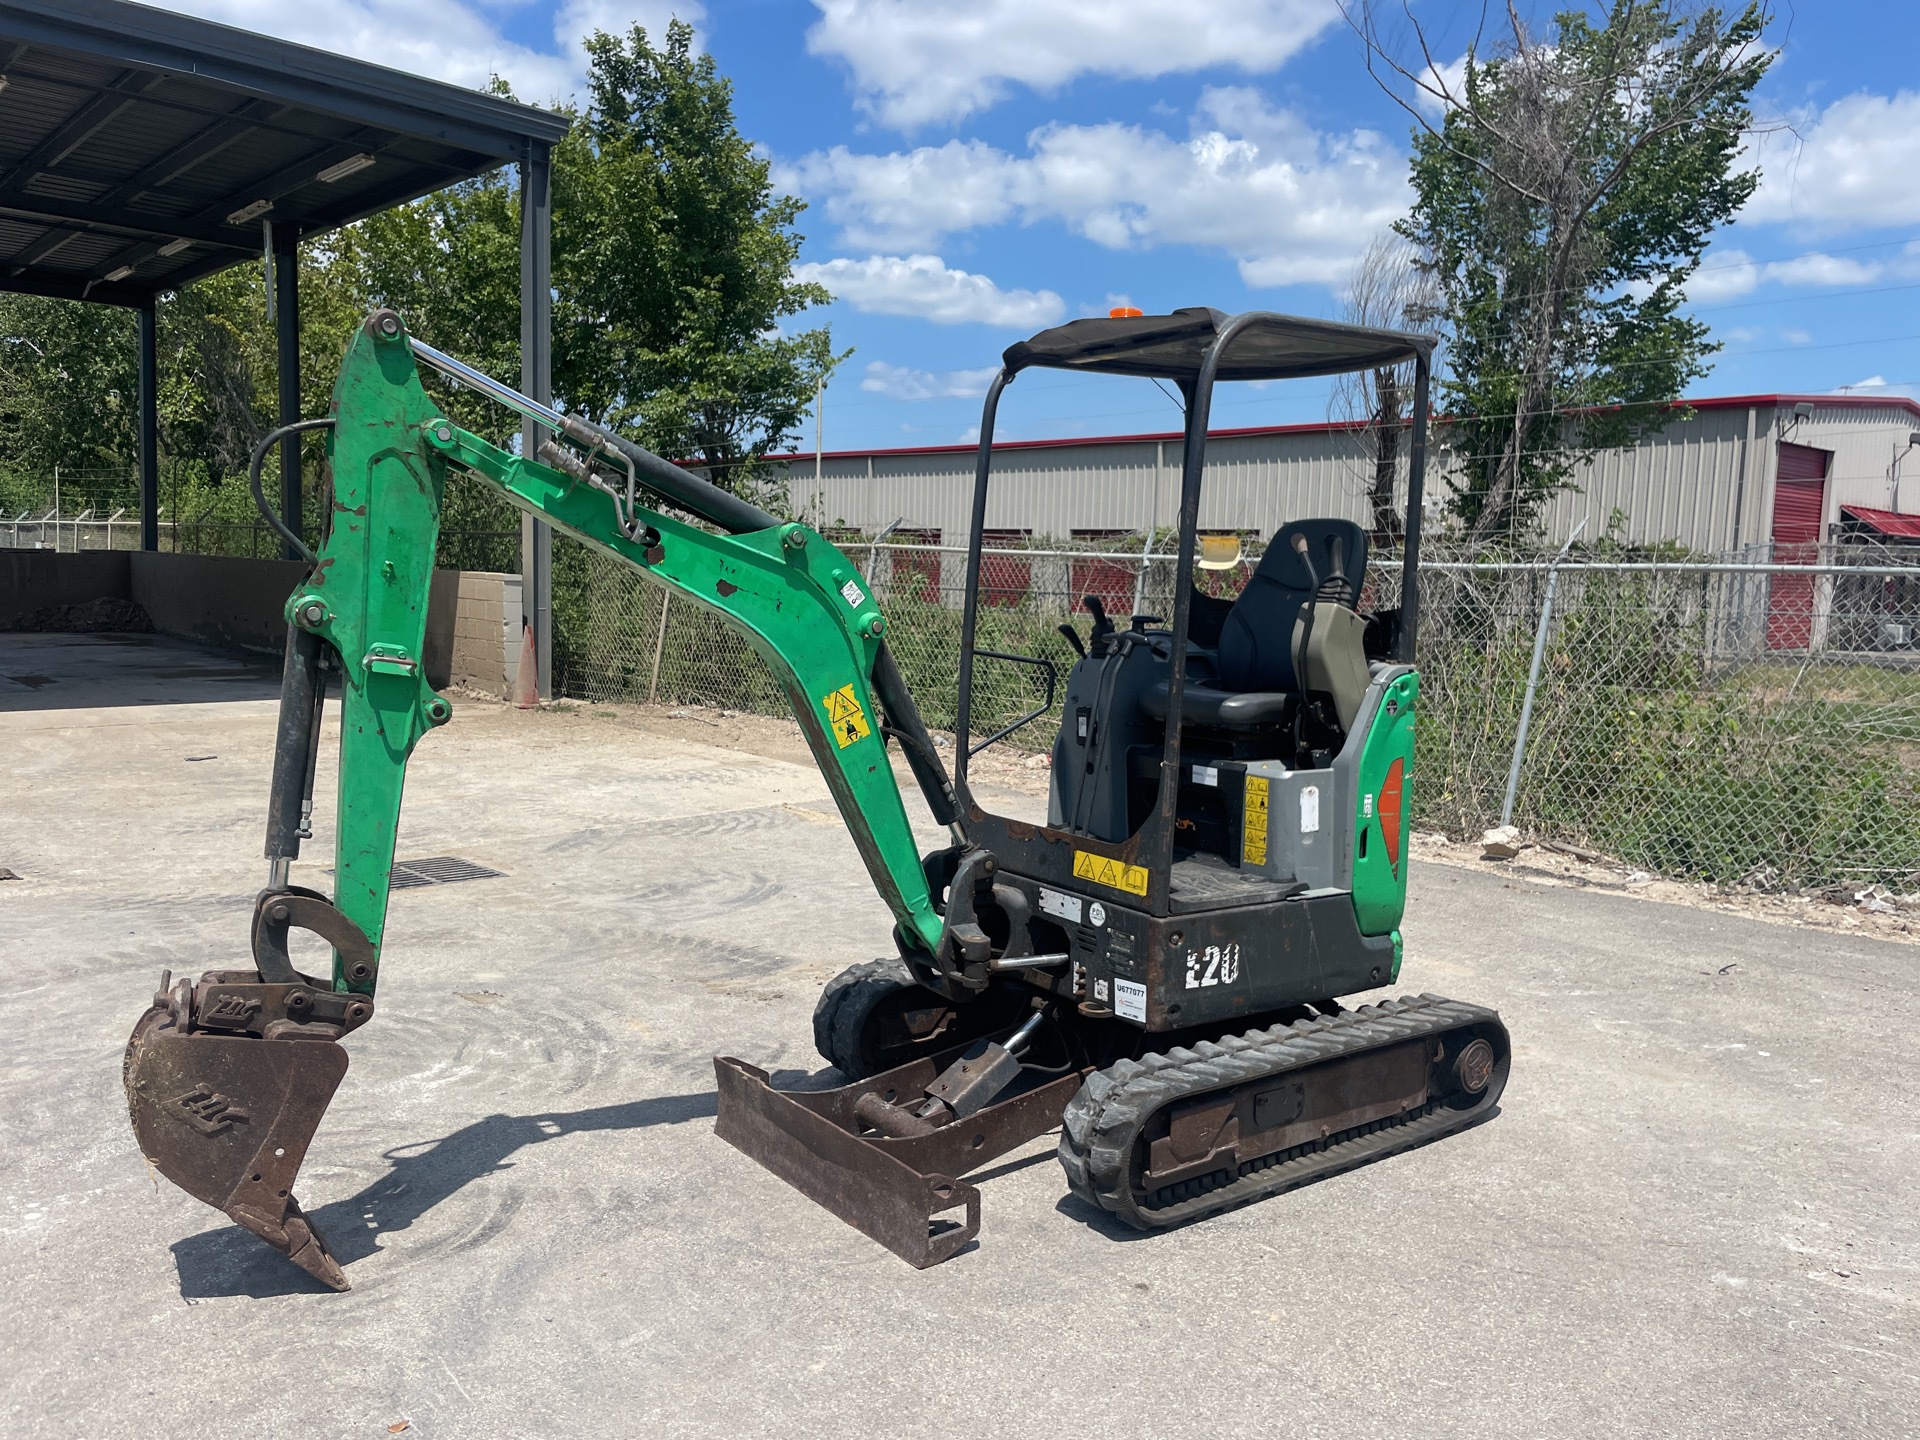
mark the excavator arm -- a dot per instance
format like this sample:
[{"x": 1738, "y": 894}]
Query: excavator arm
[
  {"x": 797, "y": 600},
  {"x": 227, "y": 1078}
]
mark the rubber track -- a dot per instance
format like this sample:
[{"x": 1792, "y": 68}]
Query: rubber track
[{"x": 1104, "y": 1120}]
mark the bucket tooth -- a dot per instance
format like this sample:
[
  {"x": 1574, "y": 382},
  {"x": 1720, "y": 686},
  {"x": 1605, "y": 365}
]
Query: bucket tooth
[
  {"x": 228, "y": 1118},
  {"x": 295, "y": 1237}
]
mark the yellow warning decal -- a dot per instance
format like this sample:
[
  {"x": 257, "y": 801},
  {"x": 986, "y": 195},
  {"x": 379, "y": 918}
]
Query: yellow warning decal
[
  {"x": 844, "y": 715},
  {"x": 1116, "y": 874},
  {"x": 1253, "y": 830}
]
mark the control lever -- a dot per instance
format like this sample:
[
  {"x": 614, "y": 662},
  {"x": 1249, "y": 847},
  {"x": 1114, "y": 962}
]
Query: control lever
[
  {"x": 1072, "y": 637},
  {"x": 1102, "y": 626}
]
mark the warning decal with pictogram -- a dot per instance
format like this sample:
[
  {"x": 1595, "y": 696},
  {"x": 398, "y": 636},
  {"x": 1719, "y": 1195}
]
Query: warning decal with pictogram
[
  {"x": 1115, "y": 873},
  {"x": 1253, "y": 824},
  {"x": 845, "y": 717}
]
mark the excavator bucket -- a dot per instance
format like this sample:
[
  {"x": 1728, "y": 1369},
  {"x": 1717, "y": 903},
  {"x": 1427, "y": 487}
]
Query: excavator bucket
[{"x": 226, "y": 1114}]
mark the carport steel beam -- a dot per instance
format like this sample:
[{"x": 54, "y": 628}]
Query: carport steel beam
[{"x": 536, "y": 381}]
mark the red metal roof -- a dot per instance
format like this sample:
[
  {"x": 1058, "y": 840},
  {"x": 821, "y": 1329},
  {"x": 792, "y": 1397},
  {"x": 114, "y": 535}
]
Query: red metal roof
[
  {"x": 1711, "y": 402},
  {"x": 1887, "y": 522}
]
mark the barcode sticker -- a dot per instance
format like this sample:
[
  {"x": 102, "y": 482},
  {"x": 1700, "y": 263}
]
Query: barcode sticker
[{"x": 1130, "y": 1000}]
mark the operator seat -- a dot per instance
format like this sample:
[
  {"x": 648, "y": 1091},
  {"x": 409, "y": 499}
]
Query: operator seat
[{"x": 1252, "y": 683}]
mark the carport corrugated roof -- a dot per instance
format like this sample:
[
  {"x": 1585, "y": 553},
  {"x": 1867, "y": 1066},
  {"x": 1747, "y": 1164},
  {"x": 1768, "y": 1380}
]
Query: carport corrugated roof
[
  {"x": 134, "y": 137},
  {"x": 1889, "y": 523}
]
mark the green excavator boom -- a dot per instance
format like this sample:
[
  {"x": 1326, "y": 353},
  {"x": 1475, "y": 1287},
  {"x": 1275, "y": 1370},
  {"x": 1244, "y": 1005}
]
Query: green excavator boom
[{"x": 797, "y": 600}]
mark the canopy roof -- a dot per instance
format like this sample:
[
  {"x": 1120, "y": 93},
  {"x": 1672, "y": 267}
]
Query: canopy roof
[
  {"x": 1889, "y": 523},
  {"x": 134, "y": 137},
  {"x": 1171, "y": 347}
]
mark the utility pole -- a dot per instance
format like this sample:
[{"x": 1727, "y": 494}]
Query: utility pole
[
  {"x": 819, "y": 430},
  {"x": 56, "y": 509}
]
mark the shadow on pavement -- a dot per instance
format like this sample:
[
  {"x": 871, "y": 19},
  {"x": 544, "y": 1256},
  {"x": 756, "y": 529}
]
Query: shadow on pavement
[
  {"x": 228, "y": 1261},
  {"x": 42, "y": 672}
]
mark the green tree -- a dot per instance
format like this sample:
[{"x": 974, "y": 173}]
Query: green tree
[
  {"x": 68, "y": 393},
  {"x": 673, "y": 262},
  {"x": 1562, "y": 199},
  {"x": 450, "y": 263}
]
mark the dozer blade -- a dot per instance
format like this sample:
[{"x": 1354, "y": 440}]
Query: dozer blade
[
  {"x": 228, "y": 1118},
  {"x": 900, "y": 1191}
]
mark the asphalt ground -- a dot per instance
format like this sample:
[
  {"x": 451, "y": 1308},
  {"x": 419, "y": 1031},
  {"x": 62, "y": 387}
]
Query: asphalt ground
[{"x": 1693, "y": 1216}]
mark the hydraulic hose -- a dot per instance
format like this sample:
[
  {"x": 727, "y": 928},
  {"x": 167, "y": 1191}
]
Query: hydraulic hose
[{"x": 274, "y": 437}]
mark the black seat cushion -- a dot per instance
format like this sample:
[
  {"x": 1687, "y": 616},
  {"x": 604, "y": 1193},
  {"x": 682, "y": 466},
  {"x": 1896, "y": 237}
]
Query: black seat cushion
[{"x": 1227, "y": 709}]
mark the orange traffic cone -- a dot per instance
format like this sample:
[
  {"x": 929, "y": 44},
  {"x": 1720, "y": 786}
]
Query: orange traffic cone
[{"x": 526, "y": 678}]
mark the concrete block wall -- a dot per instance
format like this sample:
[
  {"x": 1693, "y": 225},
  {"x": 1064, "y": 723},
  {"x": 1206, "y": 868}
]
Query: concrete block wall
[
  {"x": 229, "y": 601},
  {"x": 486, "y": 632},
  {"x": 32, "y": 580},
  {"x": 473, "y": 617}
]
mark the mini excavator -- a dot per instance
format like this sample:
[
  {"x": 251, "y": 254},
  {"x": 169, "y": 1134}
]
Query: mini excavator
[{"x": 1158, "y": 970}]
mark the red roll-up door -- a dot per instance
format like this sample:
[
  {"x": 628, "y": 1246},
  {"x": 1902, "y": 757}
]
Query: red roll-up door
[
  {"x": 1111, "y": 580},
  {"x": 1004, "y": 579},
  {"x": 916, "y": 573},
  {"x": 1799, "y": 501}
]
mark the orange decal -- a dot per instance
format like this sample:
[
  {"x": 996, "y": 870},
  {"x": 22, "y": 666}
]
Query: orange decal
[{"x": 1389, "y": 812}]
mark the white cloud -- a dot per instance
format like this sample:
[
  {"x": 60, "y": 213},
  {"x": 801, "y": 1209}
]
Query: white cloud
[
  {"x": 906, "y": 200},
  {"x": 1728, "y": 274},
  {"x": 1446, "y": 79},
  {"x": 1724, "y": 275},
  {"x": 923, "y": 286},
  {"x": 454, "y": 40},
  {"x": 1817, "y": 269},
  {"x": 1850, "y": 166},
  {"x": 1875, "y": 385},
  {"x": 919, "y": 61},
  {"x": 1290, "y": 204},
  {"x": 900, "y": 382}
]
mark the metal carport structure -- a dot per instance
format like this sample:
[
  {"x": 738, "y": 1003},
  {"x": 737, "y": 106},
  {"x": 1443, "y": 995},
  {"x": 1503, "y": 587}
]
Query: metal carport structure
[{"x": 140, "y": 150}]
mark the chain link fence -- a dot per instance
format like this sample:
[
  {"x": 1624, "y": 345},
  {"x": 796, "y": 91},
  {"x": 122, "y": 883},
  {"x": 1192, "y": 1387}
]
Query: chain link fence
[
  {"x": 1744, "y": 721},
  {"x": 100, "y": 509},
  {"x": 1751, "y": 719}
]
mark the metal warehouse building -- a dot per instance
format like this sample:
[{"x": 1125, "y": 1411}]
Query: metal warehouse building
[{"x": 1749, "y": 475}]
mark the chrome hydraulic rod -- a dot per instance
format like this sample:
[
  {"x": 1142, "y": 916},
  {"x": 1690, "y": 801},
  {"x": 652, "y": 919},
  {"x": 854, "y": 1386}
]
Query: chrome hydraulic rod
[
  {"x": 493, "y": 389},
  {"x": 663, "y": 477}
]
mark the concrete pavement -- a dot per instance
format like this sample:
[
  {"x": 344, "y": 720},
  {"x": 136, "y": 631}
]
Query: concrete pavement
[{"x": 1693, "y": 1217}]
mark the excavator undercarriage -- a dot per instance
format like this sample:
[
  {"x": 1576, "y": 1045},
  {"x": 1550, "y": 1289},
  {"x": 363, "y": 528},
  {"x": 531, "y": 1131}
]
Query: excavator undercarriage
[{"x": 1157, "y": 969}]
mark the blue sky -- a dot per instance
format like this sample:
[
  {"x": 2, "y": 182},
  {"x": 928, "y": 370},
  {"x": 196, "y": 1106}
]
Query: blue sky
[{"x": 978, "y": 169}]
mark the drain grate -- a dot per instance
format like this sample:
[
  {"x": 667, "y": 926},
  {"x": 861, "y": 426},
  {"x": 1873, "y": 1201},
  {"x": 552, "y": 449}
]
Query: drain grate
[{"x": 438, "y": 870}]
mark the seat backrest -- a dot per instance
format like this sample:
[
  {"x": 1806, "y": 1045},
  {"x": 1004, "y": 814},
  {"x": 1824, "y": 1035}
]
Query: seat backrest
[{"x": 1256, "y": 640}]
